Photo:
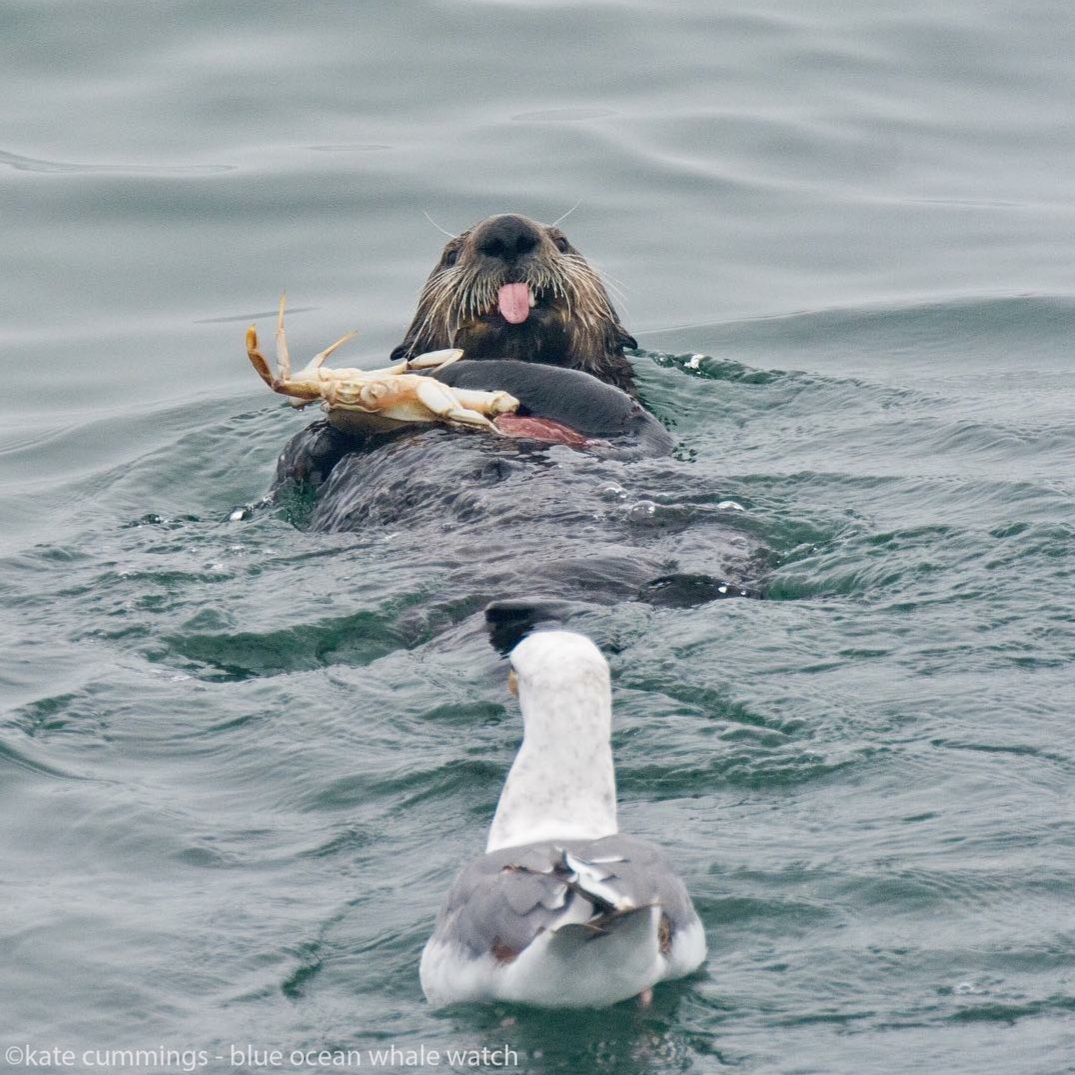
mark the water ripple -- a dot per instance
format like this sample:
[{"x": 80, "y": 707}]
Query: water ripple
[{"x": 32, "y": 164}]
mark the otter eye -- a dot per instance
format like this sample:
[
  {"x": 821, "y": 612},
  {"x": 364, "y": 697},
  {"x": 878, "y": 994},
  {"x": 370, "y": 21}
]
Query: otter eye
[
  {"x": 450, "y": 258},
  {"x": 561, "y": 243}
]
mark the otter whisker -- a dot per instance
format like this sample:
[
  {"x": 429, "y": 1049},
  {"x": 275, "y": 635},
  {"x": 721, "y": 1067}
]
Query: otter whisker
[
  {"x": 610, "y": 283},
  {"x": 435, "y": 296},
  {"x": 559, "y": 220},
  {"x": 443, "y": 231}
]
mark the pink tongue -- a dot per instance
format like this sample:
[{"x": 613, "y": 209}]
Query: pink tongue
[{"x": 513, "y": 302}]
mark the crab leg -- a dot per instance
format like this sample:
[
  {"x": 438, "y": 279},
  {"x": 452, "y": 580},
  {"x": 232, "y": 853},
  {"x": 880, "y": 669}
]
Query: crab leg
[
  {"x": 309, "y": 392},
  {"x": 436, "y": 360},
  {"x": 257, "y": 359},
  {"x": 318, "y": 359},
  {"x": 283, "y": 356},
  {"x": 431, "y": 360},
  {"x": 490, "y": 403},
  {"x": 452, "y": 405}
]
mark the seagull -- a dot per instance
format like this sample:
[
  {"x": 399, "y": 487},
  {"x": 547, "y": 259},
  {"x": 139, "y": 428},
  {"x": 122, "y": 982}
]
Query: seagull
[{"x": 562, "y": 910}]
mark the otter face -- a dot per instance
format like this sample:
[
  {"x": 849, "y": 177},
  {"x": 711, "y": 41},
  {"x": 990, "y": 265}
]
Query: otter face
[{"x": 510, "y": 288}]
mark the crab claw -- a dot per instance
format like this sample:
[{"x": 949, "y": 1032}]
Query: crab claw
[{"x": 257, "y": 359}]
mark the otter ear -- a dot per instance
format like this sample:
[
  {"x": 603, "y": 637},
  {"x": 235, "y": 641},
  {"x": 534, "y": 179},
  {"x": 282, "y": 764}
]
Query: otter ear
[
  {"x": 401, "y": 351},
  {"x": 618, "y": 337}
]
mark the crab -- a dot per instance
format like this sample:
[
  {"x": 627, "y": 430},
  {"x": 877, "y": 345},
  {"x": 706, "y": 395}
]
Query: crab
[{"x": 378, "y": 401}]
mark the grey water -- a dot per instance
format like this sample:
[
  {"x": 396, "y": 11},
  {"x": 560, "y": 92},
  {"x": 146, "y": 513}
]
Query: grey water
[{"x": 241, "y": 761}]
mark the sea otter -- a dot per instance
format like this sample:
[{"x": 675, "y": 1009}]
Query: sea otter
[
  {"x": 507, "y": 518},
  {"x": 533, "y": 319}
]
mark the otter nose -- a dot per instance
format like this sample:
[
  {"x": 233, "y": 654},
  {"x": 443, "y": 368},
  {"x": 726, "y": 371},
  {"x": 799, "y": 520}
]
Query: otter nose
[{"x": 507, "y": 237}]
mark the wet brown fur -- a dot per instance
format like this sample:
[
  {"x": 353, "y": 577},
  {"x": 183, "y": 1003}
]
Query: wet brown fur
[{"x": 572, "y": 323}]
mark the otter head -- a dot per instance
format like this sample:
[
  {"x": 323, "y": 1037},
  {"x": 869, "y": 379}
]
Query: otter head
[{"x": 510, "y": 288}]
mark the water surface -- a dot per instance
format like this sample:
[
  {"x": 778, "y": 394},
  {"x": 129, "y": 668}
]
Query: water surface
[{"x": 241, "y": 762}]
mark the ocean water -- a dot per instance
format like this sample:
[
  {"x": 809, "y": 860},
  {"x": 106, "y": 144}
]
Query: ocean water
[{"x": 240, "y": 762}]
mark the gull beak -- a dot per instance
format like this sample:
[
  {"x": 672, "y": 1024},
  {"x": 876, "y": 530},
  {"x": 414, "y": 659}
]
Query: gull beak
[{"x": 513, "y": 683}]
